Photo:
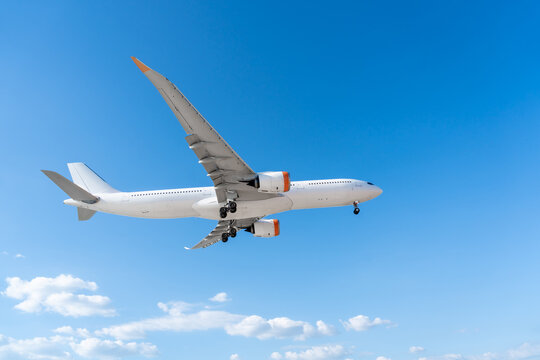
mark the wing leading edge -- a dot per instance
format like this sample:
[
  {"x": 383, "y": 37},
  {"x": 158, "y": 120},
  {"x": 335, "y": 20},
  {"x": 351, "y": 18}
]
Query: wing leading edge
[{"x": 227, "y": 170}]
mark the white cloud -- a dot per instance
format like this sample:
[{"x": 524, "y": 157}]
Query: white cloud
[
  {"x": 326, "y": 352},
  {"x": 484, "y": 356},
  {"x": 363, "y": 323},
  {"x": 42, "y": 348},
  {"x": 443, "y": 357},
  {"x": 235, "y": 357},
  {"x": 57, "y": 295},
  {"x": 524, "y": 351},
  {"x": 60, "y": 347},
  {"x": 325, "y": 329},
  {"x": 279, "y": 328},
  {"x": 181, "y": 318},
  {"x": 175, "y": 308},
  {"x": 16, "y": 256},
  {"x": 109, "y": 350},
  {"x": 416, "y": 349},
  {"x": 220, "y": 297},
  {"x": 68, "y": 330},
  {"x": 175, "y": 320}
]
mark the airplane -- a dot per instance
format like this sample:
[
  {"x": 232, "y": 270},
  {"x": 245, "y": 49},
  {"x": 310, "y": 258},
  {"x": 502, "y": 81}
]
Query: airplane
[{"x": 240, "y": 198}]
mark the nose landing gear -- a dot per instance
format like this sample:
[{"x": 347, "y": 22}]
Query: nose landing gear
[
  {"x": 356, "y": 210},
  {"x": 230, "y": 207}
]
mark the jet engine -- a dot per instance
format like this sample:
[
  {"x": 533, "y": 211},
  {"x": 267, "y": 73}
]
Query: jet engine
[
  {"x": 265, "y": 228},
  {"x": 272, "y": 181}
]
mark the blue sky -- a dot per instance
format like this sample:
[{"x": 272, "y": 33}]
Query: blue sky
[{"x": 435, "y": 102}]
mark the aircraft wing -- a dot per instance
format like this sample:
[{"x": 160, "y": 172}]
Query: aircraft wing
[
  {"x": 226, "y": 169},
  {"x": 221, "y": 227}
]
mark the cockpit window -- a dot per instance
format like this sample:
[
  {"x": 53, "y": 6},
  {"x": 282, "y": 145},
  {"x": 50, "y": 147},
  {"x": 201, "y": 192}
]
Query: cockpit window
[{"x": 370, "y": 183}]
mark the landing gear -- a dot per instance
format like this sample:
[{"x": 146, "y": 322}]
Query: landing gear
[
  {"x": 230, "y": 207},
  {"x": 232, "y": 232},
  {"x": 356, "y": 210},
  {"x": 223, "y": 212},
  {"x": 225, "y": 237}
]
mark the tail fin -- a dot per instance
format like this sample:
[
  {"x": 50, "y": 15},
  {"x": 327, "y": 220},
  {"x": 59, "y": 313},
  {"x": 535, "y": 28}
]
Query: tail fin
[
  {"x": 83, "y": 176},
  {"x": 75, "y": 192}
]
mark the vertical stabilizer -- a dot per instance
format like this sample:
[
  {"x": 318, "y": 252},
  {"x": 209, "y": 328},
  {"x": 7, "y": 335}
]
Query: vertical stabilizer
[{"x": 83, "y": 176}]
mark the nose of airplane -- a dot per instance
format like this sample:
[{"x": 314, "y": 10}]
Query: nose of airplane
[{"x": 375, "y": 191}]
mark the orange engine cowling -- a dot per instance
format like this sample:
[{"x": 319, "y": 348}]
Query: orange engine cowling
[
  {"x": 273, "y": 181},
  {"x": 265, "y": 228}
]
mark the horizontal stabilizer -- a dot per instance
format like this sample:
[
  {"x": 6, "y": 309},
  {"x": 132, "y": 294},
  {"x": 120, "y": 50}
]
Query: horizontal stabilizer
[
  {"x": 75, "y": 192},
  {"x": 85, "y": 214}
]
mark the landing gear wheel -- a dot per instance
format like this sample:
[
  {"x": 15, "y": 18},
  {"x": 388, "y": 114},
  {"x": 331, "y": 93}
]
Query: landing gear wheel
[
  {"x": 224, "y": 237},
  {"x": 232, "y": 207},
  {"x": 356, "y": 211},
  {"x": 223, "y": 213},
  {"x": 232, "y": 232}
]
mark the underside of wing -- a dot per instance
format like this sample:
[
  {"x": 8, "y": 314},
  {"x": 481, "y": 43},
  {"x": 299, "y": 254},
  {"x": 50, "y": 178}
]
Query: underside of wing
[
  {"x": 229, "y": 177},
  {"x": 222, "y": 227},
  {"x": 227, "y": 170},
  {"x": 213, "y": 237}
]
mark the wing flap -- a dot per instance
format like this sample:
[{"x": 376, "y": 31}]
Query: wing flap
[{"x": 213, "y": 237}]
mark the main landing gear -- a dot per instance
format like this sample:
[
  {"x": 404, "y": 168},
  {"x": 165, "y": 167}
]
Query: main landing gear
[
  {"x": 230, "y": 207},
  {"x": 231, "y": 232},
  {"x": 356, "y": 210}
]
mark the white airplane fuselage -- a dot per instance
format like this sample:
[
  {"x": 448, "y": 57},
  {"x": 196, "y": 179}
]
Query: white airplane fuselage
[{"x": 201, "y": 202}]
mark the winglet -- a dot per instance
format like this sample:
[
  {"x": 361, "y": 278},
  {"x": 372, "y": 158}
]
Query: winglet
[
  {"x": 185, "y": 247},
  {"x": 140, "y": 65}
]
